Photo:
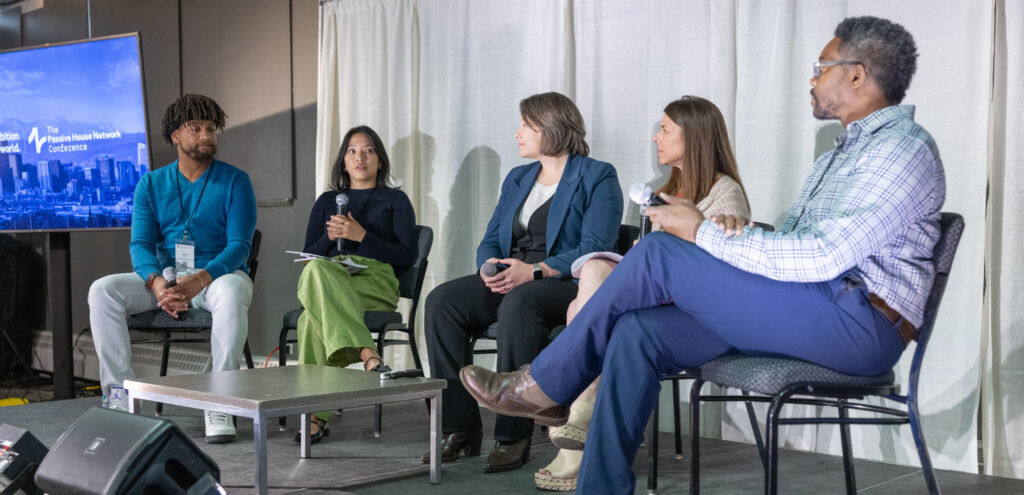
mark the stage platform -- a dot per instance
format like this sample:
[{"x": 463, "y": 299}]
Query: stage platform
[{"x": 351, "y": 460}]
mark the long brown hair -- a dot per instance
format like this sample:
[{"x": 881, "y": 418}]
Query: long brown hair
[{"x": 707, "y": 150}]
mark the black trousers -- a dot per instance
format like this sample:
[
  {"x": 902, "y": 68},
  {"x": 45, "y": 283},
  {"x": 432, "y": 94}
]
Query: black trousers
[{"x": 463, "y": 308}]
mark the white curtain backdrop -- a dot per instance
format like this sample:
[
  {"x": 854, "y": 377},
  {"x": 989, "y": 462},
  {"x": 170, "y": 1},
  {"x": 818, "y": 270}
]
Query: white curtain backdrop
[
  {"x": 441, "y": 81},
  {"x": 1003, "y": 356}
]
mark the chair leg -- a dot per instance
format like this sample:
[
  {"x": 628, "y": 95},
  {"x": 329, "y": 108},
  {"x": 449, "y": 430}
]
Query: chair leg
[
  {"x": 248, "y": 354},
  {"x": 164, "y": 356},
  {"x": 695, "y": 436},
  {"x": 378, "y": 411},
  {"x": 676, "y": 419},
  {"x": 844, "y": 437},
  {"x": 756, "y": 430},
  {"x": 771, "y": 474},
  {"x": 922, "y": 448},
  {"x": 652, "y": 450},
  {"x": 414, "y": 350}
]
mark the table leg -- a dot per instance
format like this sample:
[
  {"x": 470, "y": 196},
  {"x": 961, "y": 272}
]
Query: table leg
[
  {"x": 305, "y": 450},
  {"x": 134, "y": 405},
  {"x": 259, "y": 440},
  {"x": 435, "y": 439}
]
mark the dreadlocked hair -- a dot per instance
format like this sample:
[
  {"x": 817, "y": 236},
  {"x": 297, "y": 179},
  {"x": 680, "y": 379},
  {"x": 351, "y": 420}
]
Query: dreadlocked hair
[{"x": 190, "y": 108}]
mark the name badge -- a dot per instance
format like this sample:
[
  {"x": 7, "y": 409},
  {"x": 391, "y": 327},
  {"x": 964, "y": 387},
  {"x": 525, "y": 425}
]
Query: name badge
[{"x": 184, "y": 256}]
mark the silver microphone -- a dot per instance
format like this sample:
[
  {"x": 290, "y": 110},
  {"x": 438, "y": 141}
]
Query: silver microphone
[
  {"x": 642, "y": 195},
  {"x": 171, "y": 276},
  {"x": 342, "y": 201}
]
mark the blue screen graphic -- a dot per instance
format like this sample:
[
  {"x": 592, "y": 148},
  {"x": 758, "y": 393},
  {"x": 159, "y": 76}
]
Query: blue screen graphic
[{"x": 72, "y": 135}]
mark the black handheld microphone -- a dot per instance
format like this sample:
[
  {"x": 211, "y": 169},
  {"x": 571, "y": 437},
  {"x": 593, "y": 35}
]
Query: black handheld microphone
[
  {"x": 342, "y": 201},
  {"x": 492, "y": 269},
  {"x": 171, "y": 276},
  {"x": 642, "y": 195}
]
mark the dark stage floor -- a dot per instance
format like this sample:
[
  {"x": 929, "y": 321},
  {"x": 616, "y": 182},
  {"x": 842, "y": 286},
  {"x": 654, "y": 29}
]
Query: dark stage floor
[{"x": 352, "y": 461}]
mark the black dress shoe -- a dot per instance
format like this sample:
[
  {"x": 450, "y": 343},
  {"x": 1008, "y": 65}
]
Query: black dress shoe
[
  {"x": 467, "y": 441},
  {"x": 508, "y": 456},
  {"x": 321, "y": 431}
]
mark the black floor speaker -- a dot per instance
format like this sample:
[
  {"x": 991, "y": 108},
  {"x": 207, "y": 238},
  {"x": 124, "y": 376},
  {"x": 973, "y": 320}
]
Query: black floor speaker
[{"x": 113, "y": 452}]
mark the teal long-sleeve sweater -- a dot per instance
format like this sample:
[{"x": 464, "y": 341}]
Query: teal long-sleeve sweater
[{"x": 223, "y": 219}]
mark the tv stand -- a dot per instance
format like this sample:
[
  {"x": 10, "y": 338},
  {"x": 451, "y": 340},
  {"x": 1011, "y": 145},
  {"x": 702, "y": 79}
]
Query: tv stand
[{"x": 58, "y": 290}]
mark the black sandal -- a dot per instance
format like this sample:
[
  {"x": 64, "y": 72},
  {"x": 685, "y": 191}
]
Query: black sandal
[
  {"x": 322, "y": 431},
  {"x": 381, "y": 367}
]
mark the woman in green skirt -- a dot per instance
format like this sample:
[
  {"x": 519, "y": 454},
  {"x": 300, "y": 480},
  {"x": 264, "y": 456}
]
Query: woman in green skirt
[{"x": 375, "y": 231}]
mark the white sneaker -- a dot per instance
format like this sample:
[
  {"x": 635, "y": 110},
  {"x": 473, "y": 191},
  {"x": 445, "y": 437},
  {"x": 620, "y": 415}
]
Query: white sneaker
[{"x": 220, "y": 427}]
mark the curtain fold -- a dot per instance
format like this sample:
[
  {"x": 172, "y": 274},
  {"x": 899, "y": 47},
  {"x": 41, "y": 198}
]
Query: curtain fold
[
  {"x": 441, "y": 82},
  {"x": 1002, "y": 400}
]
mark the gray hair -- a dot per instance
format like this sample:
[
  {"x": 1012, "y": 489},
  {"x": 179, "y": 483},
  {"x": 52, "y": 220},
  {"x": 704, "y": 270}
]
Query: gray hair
[{"x": 885, "y": 49}]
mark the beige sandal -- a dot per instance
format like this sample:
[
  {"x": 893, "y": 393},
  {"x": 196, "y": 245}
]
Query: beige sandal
[
  {"x": 573, "y": 434},
  {"x": 563, "y": 469}
]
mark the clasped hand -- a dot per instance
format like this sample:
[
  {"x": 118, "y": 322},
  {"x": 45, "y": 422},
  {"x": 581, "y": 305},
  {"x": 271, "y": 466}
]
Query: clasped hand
[
  {"x": 345, "y": 227},
  {"x": 517, "y": 273},
  {"x": 174, "y": 300}
]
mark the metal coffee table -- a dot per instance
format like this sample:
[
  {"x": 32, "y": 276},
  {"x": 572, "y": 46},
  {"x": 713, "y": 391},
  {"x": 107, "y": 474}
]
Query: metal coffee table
[{"x": 265, "y": 393}]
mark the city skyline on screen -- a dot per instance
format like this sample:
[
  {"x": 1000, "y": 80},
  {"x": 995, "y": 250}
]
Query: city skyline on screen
[{"x": 72, "y": 135}]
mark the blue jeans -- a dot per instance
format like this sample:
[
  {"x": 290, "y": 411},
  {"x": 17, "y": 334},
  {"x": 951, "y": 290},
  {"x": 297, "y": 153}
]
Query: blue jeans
[{"x": 670, "y": 305}]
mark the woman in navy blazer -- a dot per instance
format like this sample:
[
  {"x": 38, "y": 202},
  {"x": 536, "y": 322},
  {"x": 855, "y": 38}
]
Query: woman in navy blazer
[{"x": 550, "y": 212}]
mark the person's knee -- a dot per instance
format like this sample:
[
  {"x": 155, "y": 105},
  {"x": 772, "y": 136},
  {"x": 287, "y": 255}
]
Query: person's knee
[
  {"x": 442, "y": 297},
  {"x": 102, "y": 290},
  {"x": 596, "y": 270},
  {"x": 629, "y": 332},
  {"x": 231, "y": 290}
]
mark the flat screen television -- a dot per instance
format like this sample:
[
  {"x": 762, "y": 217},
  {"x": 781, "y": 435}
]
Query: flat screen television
[{"x": 73, "y": 134}]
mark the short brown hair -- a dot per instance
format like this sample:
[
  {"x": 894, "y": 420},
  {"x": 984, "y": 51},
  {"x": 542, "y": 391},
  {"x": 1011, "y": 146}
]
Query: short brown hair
[
  {"x": 559, "y": 122},
  {"x": 707, "y": 150}
]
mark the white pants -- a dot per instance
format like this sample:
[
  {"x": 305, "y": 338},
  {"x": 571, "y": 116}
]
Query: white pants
[{"x": 114, "y": 297}]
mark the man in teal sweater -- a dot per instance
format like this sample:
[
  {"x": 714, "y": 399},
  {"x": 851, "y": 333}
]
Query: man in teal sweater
[{"x": 196, "y": 215}]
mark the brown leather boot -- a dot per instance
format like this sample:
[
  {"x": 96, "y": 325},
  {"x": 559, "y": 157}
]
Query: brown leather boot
[{"x": 513, "y": 394}]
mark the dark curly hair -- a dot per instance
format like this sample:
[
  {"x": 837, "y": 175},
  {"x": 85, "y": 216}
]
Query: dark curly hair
[
  {"x": 885, "y": 48},
  {"x": 189, "y": 108}
]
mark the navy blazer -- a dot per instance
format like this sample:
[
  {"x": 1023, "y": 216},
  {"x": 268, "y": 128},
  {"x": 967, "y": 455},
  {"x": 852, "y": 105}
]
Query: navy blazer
[{"x": 585, "y": 213}]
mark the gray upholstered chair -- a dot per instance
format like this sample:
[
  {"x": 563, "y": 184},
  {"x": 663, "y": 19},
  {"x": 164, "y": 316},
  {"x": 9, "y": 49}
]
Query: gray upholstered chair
[
  {"x": 790, "y": 381},
  {"x": 675, "y": 378},
  {"x": 410, "y": 286},
  {"x": 194, "y": 323}
]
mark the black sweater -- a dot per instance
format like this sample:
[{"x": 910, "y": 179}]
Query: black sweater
[{"x": 385, "y": 213}]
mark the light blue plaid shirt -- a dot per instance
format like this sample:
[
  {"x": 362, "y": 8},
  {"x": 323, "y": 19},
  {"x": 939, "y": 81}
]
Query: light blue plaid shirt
[{"x": 870, "y": 207}]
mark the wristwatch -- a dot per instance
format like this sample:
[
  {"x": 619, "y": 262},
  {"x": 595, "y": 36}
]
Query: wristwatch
[{"x": 538, "y": 272}]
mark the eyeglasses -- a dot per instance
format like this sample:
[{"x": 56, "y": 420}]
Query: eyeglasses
[{"x": 819, "y": 65}]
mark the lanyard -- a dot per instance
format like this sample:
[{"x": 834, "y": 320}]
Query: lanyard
[{"x": 177, "y": 182}]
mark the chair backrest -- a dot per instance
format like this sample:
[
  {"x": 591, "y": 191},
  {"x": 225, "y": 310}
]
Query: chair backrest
[
  {"x": 254, "y": 253},
  {"x": 951, "y": 227},
  {"x": 627, "y": 234},
  {"x": 410, "y": 282}
]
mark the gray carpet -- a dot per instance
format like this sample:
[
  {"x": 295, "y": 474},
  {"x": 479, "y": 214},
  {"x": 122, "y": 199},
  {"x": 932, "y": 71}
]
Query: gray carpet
[{"x": 351, "y": 460}]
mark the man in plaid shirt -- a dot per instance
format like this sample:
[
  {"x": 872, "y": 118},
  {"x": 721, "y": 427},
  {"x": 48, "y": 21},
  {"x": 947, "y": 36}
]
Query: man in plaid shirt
[{"x": 842, "y": 283}]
